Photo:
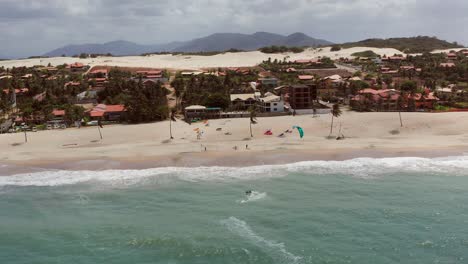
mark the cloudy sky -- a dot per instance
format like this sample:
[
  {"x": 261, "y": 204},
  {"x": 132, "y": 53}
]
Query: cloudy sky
[{"x": 34, "y": 27}]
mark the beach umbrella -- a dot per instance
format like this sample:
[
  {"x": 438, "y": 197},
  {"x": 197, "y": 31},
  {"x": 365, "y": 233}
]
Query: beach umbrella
[{"x": 301, "y": 131}]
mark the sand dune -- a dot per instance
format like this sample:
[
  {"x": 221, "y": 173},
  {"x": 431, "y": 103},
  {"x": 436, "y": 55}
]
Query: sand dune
[{"x": 240, "y": 59}]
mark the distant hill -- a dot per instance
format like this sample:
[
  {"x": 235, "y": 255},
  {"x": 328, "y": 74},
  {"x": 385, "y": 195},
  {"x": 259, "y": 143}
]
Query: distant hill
[
  {"x": 225, "y": 41},
  {"x": 419, "y": 44},
  {"x": 4, "y": 57},
  {"x": 117, "y": 48},
  {"x": 215, "y": 42}
]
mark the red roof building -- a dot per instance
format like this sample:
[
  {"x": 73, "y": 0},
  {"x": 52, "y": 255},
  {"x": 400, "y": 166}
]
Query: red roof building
[
  {"x": 19, "y": 91},
  {"x": 387, "y": 100},
  {"x": 108, "y": 112}
]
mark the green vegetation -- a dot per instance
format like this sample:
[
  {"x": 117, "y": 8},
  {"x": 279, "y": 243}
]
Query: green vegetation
[
  {"x": 200, "y": 53},
  {"x": 92, "y": 55},
  {"x": 418, "y": 44},
  {"x": 335, "y": 48},
  {"x": 365, "y": 54},
  {"x": 281, "y": 49}
]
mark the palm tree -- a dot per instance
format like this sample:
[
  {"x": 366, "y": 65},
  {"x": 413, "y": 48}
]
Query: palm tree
[
  {"x": 400, "y": 105},
  {"x": 253, "y": 118},
  {"x": 336, "y": 112}
]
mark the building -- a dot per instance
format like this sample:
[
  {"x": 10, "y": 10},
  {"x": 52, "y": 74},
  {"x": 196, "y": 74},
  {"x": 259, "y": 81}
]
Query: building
[
  {"x": 308, "y": 62},
  {"x": 299, "y": 96},
  {"x": 87, "y": 97},
  {"x": 305, "y": 78},
  {"x": 153, "y": 76},
  {"x": 201, "y": 112},
  {"x": 243, "y": 102},
  {"x": 58, "y": 115},
  {"x": 378, "y": 100},
  {"x": 99, "y": 82},
  {"x": 452, "y": 56},
  {"x": 272, "y": 103},
  {"x": 447, "y": 65},
  {"x": 392, "y": 100},
  {"x": 269, "y": 81},
  {"x": 77, "y": 66},
  {"x": 98, "y": 73},
  {"x": 108, "y": 112}
]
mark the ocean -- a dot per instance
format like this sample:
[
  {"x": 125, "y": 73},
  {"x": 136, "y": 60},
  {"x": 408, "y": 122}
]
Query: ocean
[{"x": 394, "y": 210}]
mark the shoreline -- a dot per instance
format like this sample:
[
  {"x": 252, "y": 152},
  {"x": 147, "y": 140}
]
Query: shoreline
[
  {"x": 217, "y": 159},
  {"x": 375, "y": 135}
]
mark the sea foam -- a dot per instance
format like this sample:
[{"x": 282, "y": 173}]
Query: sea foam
[
  {"x": 276, "y": 250},
  {"x": 366, "y": 168},
  {"x": 254, "y": 196}
]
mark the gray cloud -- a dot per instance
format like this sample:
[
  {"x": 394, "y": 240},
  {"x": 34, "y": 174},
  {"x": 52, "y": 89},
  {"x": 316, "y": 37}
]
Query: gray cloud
[{"x": 31, "y": 27}]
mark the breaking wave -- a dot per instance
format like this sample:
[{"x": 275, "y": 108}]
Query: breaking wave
[
  {"x": 366, "y": 168},
  {"x": 274, "y": 249}
]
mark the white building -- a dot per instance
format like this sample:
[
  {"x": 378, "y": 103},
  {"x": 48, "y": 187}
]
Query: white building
[{"x": 272, "y": 103}]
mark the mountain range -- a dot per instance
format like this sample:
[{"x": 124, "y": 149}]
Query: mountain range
[{"x": 214, "y": 42}]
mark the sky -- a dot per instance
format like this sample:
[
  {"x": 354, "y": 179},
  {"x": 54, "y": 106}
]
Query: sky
[{"x": 34, "y": 27}]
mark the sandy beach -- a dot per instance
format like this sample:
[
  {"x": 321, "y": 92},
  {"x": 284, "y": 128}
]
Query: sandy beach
[{"x": 147, "y": 145}]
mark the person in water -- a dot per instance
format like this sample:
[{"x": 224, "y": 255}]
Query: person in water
[{"x": 249, "y": 192}]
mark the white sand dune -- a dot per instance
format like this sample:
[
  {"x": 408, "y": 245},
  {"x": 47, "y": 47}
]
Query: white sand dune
[{"x": 240, "y": 59}]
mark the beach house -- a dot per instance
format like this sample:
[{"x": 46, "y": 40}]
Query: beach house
[
  {"x": 150, "y": 76},
  {"x": 272, "y": 103},
  {"x": 108, "y": 112},
  {"x": 201, "y": 112},
  {"x": 242, "y": 102}
]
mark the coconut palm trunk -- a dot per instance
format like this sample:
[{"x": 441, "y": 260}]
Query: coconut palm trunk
[{"x": 336, "y": 112}]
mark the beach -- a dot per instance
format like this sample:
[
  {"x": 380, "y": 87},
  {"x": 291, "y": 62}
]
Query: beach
[{"x": 227, "y": 142}]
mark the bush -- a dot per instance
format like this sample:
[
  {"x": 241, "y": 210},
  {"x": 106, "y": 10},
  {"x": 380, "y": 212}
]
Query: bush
[
  {"x": 281, "y": 49},
  {"x": 366, "y": 54},
  {"x": 335, "y": 48}
]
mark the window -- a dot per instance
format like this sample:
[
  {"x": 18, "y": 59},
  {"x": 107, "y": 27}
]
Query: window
[{"x": 274, "y": 109}]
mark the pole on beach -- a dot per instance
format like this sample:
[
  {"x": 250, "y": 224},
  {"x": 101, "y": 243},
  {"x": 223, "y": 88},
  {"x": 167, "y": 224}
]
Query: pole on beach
[{"x": 25, "y": 136}]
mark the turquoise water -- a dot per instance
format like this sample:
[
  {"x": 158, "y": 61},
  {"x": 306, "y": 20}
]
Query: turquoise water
[{"x": 358, "y": 211}]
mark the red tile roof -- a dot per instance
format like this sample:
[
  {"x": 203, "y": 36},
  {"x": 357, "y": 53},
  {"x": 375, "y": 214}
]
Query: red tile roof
[
  {"x": 57, "y": 112},
  {"x": 305, "y": 77},
  {"x": 17, "y": 91},
  {"x": 102, "y": 108},
  {"x": 77, "y": 65},
  {"x": 104, "y": 71}
]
